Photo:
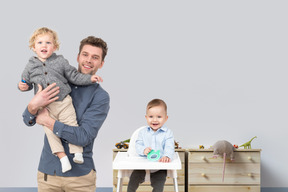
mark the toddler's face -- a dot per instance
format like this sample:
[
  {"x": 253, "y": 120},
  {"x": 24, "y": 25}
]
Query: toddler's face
[
  {"x": 156, "y": 117},
  {"x": 44, "y": 46}
]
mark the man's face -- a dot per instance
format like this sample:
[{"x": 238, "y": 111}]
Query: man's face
[{"x": 90, "y": 59}]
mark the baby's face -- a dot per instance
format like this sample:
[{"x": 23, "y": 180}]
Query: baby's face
[
  {"x": 44, "y": 46},
  {"x": 156, "y": 117}
]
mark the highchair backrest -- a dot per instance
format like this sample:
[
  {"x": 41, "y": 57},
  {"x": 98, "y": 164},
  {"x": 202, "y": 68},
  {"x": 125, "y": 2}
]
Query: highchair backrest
[{"x": 132, "y": 149}]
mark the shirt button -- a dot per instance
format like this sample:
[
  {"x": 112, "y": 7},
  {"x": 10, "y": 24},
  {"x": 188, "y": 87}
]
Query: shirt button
[
  {"x": 44, "y": 64},
  {"x": 48, "y": 84},
  {"x": 56, "y": 133},
  {"x": 45, "y": 73},
  {"x": 76, "y": 87}
]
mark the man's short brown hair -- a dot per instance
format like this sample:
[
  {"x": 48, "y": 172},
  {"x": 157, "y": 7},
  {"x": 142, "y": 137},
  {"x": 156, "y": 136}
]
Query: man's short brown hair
[{"x": 96, "y": 42}]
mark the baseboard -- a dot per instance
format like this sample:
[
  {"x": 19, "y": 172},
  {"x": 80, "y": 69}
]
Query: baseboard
[
  {"x": 18, "y": 189},
  {"x": 34, "y": 189},
  {"x": 110, "y": 189},
  {"x": 274, "y": 189}
]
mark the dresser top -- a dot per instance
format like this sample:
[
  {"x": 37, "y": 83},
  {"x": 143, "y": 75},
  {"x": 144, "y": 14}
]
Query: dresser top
[
  {"x": 208, "y": 150},
  {"x": 124, "y": 150}
]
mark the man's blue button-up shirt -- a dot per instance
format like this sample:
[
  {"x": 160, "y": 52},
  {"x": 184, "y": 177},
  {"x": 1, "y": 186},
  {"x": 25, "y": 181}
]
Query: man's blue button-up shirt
[{"x": 91, "y": 104}]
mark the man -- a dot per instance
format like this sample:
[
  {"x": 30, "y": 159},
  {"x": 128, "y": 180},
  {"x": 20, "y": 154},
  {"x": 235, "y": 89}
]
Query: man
[{"x": 91, "y": 105}]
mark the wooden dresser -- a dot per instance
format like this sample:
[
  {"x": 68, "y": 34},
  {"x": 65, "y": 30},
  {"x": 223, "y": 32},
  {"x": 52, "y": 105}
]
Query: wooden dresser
[
  {"x": 205, "y": 173},
  {"x": 145, "y": 187}
]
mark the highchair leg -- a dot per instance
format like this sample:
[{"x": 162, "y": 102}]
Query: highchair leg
[
  {"x": 120, "y": 181},
  {"x": 175, "y": 184}
]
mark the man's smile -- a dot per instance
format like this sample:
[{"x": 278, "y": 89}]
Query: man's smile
[{"x": 87, "y": 66}]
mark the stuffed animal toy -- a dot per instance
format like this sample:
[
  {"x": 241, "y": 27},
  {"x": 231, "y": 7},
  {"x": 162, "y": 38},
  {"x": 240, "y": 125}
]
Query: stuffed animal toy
[{"x": 223, "y": 148}]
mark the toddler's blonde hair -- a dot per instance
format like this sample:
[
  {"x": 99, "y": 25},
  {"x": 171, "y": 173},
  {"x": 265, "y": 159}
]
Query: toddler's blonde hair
[{"x": 44, "y": 31}]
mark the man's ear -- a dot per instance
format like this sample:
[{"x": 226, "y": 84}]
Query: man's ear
[
  {"x": 78, "y": 58},
  {"x": 101, "y": 65}
]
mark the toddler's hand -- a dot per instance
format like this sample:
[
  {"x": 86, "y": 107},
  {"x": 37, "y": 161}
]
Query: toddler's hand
[
  {"x": 165, "y": 159},
  {"x": 96, "y": 78},
  {"x": 23, "y": 86},
  {"x": 147, "y": 150}
]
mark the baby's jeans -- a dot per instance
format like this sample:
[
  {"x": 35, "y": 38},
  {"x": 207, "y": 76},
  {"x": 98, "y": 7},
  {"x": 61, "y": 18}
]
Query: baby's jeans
[{"x": 157, "y": 180}]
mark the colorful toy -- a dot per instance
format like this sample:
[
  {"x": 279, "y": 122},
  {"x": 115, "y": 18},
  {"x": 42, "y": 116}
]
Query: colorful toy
[
  {"x": 201, "y": 147},
  {"x": 123, "y": 144},
  {"x": 153, "y": 155},
  {"x": 23, "y": 81},
  {"x": 176, "y": 144},
  {"x": 235, "y": 146},
  {"x": 247, "y": 145},
  {"x": 223, "y": 148}
]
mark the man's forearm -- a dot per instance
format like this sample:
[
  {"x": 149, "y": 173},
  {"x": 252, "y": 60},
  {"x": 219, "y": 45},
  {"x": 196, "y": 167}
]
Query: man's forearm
[
  {"x": 43, "y": 118},
  {"x": 49, "y": 123},
  {"x": 32, "y": 109}
]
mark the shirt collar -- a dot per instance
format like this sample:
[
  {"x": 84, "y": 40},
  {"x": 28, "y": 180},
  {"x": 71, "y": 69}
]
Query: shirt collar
[
  {"x": 163, "y": 128},
  {"x": 35, "y": 58}
]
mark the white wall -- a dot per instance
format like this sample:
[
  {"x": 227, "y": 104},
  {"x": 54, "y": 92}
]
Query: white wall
[{"x": 221, "y": 66}]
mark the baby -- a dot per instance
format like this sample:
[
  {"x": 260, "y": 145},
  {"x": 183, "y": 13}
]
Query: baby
[{"x": 156, "y": 136}]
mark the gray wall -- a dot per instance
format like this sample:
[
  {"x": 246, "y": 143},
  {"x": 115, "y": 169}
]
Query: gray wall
[{"x": 221, "y": 66}]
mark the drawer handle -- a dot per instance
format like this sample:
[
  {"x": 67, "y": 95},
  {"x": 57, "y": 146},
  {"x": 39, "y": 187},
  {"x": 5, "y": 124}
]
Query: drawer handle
[
  {"x": 250, "y": 175},
  {"x": 249, "y": 158},
  {"x": 203, "y": 158},
  {"x": 203, "y": 174}
]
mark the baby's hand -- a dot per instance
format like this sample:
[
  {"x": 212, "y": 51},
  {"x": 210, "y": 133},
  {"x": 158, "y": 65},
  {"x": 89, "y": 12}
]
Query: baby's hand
[
  {"x": 147, "y": 150},
  {"x": 23, "y": 86},
  {"x": 165, "y": 159},
  {"x": 96, "y": 78}
]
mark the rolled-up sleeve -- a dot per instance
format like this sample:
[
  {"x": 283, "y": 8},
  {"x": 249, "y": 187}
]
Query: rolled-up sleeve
[
  {"x": 89, "y": 124},
  {"x": 28, "y": 118}
]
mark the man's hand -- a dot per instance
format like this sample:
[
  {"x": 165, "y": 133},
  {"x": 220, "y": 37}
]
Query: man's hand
[
  {"x": 43, "y": 118},
  {"x": 43, "y": 98},
  {"x": 165, "y": 159}
]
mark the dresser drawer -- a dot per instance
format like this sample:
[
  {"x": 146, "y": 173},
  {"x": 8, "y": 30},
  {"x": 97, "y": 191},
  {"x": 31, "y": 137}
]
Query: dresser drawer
[
  {"x": 224, "y": 189},
  {"x": 240, "y": 157},
  {"x": 235, "y": 173}
]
